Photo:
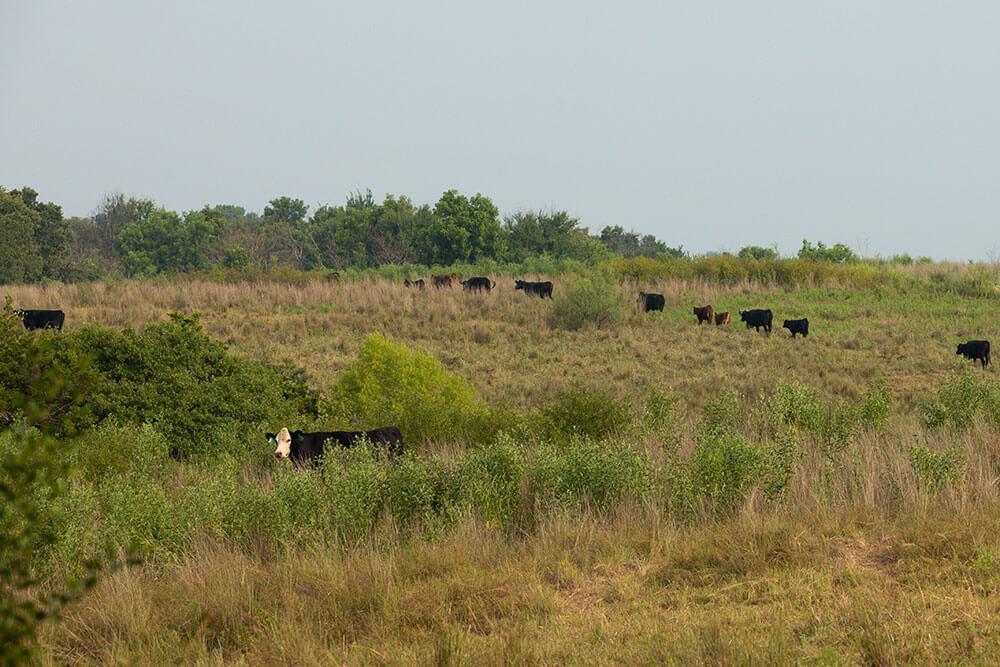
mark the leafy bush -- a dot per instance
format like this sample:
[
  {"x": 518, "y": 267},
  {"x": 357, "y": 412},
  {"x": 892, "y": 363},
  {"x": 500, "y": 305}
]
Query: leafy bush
[
  {"x": 173, "y": 376},
  {"x": 793, "y": 404},
  {"x": 937, "y": 470},
  {"x": 724, "y": 467},
  {"x": 962, "y": 398},
  {"x": 491, "y": 479},
  {"x": 586, "y": 470},
  {"x": 585, "y": 412},
  {"x": 586, "y": 302},
  {"x": 390, "y": 385}
]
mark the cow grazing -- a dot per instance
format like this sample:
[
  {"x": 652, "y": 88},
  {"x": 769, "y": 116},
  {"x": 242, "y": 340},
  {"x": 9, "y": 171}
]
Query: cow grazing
[
  {"x": 478, "y": 283},
  {"x": 541, "y": 289},
  {"x": 651, "y": 301},
  {"x": 721, "y": 319},
  {"x": 975, "y": 349},
  {"x": 305, "y": 449},
  {"x": 797, "y": 326},
  {"x": 757, "y": 318},
  {"x": 445, "y": 279},
  {"x": 41, "y": 319},
  {"x": 704, "y": 314},
  {"x": 418, "y": 284}
]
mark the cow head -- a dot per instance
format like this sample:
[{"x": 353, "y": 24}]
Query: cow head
[
  {"x": 743, "y": 315},
  {"x": 282, "y": 442},
  {"x": 519, "y": 284},
  {"x": 961, "y": 348}
]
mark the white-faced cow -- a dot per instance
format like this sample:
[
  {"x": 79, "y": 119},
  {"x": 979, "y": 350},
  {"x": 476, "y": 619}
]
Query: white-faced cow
[{"x": 305, "y": 449}]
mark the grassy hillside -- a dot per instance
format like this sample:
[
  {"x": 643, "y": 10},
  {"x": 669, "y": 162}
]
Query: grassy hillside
[{"x": 646, "y": 491}]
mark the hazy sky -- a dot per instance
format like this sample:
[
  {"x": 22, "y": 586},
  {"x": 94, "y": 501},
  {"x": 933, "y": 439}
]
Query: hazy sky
[{"x": 710, "y": 124}]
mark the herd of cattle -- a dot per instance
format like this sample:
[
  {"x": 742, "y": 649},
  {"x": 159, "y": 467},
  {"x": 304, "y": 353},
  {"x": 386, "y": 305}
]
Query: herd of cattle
[{"x": 305, "y": 449}]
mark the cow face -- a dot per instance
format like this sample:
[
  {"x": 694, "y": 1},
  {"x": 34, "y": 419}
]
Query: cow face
[
  {"x": 519, "y": 284},
  {"x": 283, "y": 444},
  {"x": 961, "y": 348}
]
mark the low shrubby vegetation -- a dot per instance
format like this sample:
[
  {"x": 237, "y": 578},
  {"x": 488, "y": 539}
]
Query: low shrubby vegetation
[{"x": 575, "y": 469}]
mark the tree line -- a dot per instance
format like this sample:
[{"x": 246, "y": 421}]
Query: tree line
[{"x": 134, "y": 237}]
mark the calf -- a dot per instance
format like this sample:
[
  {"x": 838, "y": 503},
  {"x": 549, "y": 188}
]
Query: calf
[
  {"x": 419, "y": 284},
  {"x": 444, "y": 279},
  {"x": 541, "y": 289},
  {"x": 721, "y": 319},
  {"x": 797, "y": 326},
  {"x": 478, "y": 283},
  {"x": 704, "y": 314},
  {"x": 651, "y": 301},
  {"x": 41, "y": 319},
  {"x": 975, "y": 349},
  {"x": 305, "y": 449},
  {"x": 757, "y": 318}
]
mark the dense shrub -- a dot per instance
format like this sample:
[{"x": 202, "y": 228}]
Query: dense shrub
[
  {"x": 390, "y": 385},
  {"x": 584, "y": 470},
  {"x": 938, "y": 470},
  {"x": 172, "y": 375},
  {"x": 962, "y": 398},
  {"x": 586, "y": 302},
  {"x": 585, "y": 412}
]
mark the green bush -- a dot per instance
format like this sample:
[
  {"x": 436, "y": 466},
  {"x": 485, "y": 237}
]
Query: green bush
[
  {"x": 586, "y": 302},
  {"x": 585, "y": 470},
  {"x": 938, "y": 470},
  {"x": 724, "y": 467},
  {"x": 355, "y": 481},
  {"x": 793, "y": 404},
  {"x": 584, "y": 412},
  {"x": 173, "y": 376},
  {"x": 961, "y": 398},
  {"x": 491, "y": 479},
  {"x": 390, "y": 385}
]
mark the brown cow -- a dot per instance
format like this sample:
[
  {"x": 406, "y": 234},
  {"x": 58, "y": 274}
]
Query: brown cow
[
  {"x": 445, "y": 279},
  {"x": 704, "y": 314},
  {"x": 721, "y": 319}
]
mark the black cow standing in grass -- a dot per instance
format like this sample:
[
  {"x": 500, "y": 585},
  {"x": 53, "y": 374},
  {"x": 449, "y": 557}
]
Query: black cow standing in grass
[
  {"x": 797, "y": 326},
  {"x": 41, "y": 319},
  {"x": 419, "y": 284},
  {"x": 305, "y": 449},
  {"x": 757, "y": 318},
  {"x": 975, "y": 349},
  {"x": 541, "y": 289},
  {"x": 651, "y": 301},
  {"x": 478, "y": 283}
]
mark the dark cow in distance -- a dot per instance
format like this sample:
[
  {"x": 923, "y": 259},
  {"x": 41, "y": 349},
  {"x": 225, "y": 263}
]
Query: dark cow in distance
[
  {"x": 797, "y": 326},
  {"x": 975, "y": 349},
  {"x": 541, "y": 289},
  {"x": 722, "y": 319},
  {"x": 704, "y": 314},
  {"x": 651, "y": 301},
  {"x": 445, "y": 279},
  {"x": 757, "y": 318},
  {"x": 478, "y": 283},
  {"x": 419, "y": 284},
  {"x": 305, "y": 449},
  {"x": 41, "y": 319}
]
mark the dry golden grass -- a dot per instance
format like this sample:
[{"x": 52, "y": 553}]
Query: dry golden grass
[
  {"x": 502, "y": 343},
  {"x": 859, "y": 562}
]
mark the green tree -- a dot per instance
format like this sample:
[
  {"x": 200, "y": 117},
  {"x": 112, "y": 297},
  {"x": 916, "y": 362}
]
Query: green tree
[
  {"x": 20, "y": 259},
  {"x": 838, "y": 254},
  {"x": 166, "y": 243},
  {"x": 114, "y": 213},
  {"x": 52, "y": 234},
  {"x": 630, "y": 244},
  {"x": 467, "y": 229},
  {"x": 757, "y": 252}
]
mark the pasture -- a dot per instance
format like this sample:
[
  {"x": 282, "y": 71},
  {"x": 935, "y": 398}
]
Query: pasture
[{"x": 647, "y": 490}]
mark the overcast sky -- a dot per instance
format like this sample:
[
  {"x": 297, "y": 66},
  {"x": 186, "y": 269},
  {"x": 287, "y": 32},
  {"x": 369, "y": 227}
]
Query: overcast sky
[{"x": 712, "y": 125}]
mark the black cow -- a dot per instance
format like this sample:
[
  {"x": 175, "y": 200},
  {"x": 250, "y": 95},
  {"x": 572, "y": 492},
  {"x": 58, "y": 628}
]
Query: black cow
[
  {"x": 478, "y": 283},
  {"x": 419, "y": 284},
  {"x": 975, "y": 349},
  {"x": 541, "y": 289},
  {"x": 757, "y": 318},
  {"x": 797, "y": 326},
  {"x": 306, "y": 448},
  {"x": 651, "y": 301},
  {"x": 41, "y": 319}
]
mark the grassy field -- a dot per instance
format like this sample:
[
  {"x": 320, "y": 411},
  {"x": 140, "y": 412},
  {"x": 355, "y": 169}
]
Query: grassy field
[{"x": 748, "y": 529}]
